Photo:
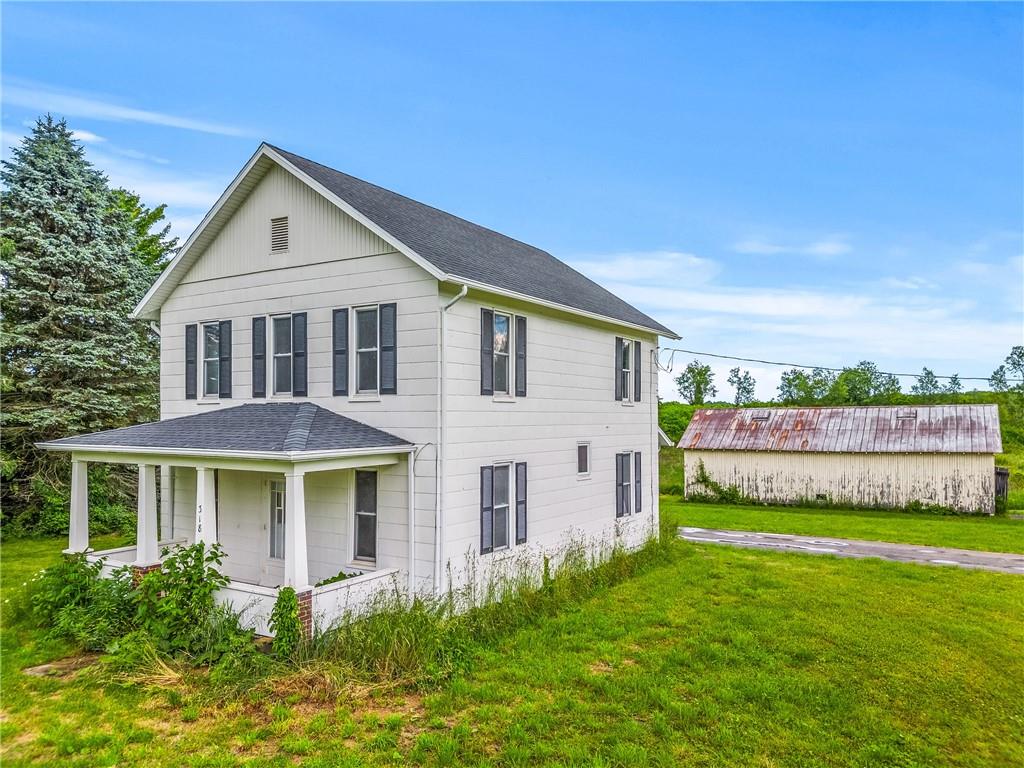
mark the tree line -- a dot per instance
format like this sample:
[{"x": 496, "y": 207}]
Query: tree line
[
  {"x": 862, "y": 384},
  {"x": 76, "y": 255}
]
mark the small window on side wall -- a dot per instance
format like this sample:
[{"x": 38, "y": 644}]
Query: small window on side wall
[{"x": 583, "y": 459}]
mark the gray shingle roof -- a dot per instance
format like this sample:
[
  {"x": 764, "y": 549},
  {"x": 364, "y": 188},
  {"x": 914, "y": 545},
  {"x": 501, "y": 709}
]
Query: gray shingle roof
[
  {"x": 251, "y": 428},
  {"x": 463, "y": 249},
  {"x": 854, "y": 429}
]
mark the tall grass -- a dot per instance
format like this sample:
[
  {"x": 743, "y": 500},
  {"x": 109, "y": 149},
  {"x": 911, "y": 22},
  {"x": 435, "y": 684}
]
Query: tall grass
[{"x": 435, "y": 638}]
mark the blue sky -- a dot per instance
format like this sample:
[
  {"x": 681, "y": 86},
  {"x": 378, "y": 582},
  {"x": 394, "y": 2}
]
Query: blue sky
[{"x": 808, "y": 183}]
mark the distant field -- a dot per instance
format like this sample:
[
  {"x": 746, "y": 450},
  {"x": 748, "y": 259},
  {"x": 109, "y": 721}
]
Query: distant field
[{"x": 991, "y": 534}]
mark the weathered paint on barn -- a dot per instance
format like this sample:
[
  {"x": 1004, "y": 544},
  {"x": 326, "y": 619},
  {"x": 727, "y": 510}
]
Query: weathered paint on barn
[
  {"x": 961, "y": 481},
  {"x": 876, "y": 456}
]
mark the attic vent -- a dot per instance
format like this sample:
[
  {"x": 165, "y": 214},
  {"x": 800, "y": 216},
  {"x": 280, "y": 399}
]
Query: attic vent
[
  {"x": 905, "y": 413},
  {"x": 279, "y": 234},
  {"x": 760, "y": 415}
]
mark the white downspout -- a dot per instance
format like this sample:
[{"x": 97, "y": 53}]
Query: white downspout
[
  {"x": 411, "y": 504},
  {"x": 442, "y": 437}
]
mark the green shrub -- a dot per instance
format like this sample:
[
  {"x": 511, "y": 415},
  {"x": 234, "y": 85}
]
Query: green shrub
[
  {"x": 285, "y": 623},
  {"x": 174, "y": 604},
  {"x": 76, "y": 603}
]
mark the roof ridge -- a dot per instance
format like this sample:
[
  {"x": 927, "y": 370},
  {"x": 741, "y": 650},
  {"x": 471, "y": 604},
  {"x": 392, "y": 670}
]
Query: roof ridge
[
  {"x": 418, "y": 202},
  {"x": 298, "y": 432}
]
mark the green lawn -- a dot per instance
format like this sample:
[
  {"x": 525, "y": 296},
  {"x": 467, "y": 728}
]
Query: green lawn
[
  {"x": 993, "y": 534},
  {"x": 720, "y": 657}
]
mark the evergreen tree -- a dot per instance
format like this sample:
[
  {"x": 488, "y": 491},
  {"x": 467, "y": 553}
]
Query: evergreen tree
[
  {"x": 998, "y": 380},
  {"x": 71, "y": 273}
]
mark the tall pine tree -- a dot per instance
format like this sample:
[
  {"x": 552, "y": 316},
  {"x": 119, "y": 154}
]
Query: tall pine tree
[{"x": 73, "y": 264}]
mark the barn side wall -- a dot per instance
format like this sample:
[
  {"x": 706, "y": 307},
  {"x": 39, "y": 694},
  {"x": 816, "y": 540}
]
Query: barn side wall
[{"x": 961, "y": 481}]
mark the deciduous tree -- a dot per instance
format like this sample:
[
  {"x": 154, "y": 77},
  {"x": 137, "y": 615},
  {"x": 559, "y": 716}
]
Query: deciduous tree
[{"x": 696, "y": 383}]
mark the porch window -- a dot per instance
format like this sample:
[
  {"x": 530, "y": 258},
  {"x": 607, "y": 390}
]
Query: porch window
[
  {"x": 282, "y": 354},
  {"x": 277, "y": 519},
  {"x": 366, "y": 516},
  {"x": 367, "y": 350},
  {"x": 211, "y": 359}
]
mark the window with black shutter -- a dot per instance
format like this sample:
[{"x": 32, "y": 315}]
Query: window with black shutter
[
  {"x": 259, "y": 357},
  {"x": 389, "y": 349},
  {"x": 623, "y": 484},
  {"x": 486, "y": 510},
  {"x": 299, "y": 354},
  {"x": 502, "y": 502},
  {"x": 628, "y": 380},
  {"x": 191, "y": 361},
  {"x": 339, "y": 344},
  {"x": 486, "y": 352},
  {"x": 638, "y": 490},
  {"x": 637, "y": 378},
  {"x": 520, "y": 502},
  {"x": 502, "y": 354},
  {"x": 520, "y": 343},
  {"x": 225, "y": 359}
]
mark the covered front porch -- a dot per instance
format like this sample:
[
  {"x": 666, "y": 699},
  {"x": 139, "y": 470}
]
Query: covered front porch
[{"x": 294, "y": 494}]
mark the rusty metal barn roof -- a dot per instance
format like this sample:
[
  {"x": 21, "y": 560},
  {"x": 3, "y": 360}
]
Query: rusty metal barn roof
[{"x": 859, "y": 429}]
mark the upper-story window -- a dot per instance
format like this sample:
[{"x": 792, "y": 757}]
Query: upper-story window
[
  {"x": 502, "y": 333},
  {"x": 211, "y": 359},
  {"x": 627, "y": 370},
  {"x": 502, "y": 354},
  {"x": 367, "y": 350},
  {"x": 281, "y": 328}
]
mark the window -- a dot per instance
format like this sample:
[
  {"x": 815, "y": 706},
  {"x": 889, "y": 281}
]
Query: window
[
  {"x": 276, "y": 518},
  {"x": 626, "y": 371},
  {"x": 211, "y": 359},
  {"x": 366, "y": 516},
  {"x": 279, "y": 234},
  {"x": 502, "y": 499},
  {"x": 623, "y": 484},
  {"x": 282, "y": 344},
  {"x": 583, "y": 458},
  {"x": 367, "y": 350},
  {"x": 502, "y": 331},
  {"x": 496, "y": 506}
]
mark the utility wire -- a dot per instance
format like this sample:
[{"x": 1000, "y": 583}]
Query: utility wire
[{"x": 673, "y": 350}]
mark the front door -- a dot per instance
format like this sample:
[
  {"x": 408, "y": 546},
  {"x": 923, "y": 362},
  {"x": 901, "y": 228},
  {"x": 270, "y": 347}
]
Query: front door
[{"x": 272, "y": 568}]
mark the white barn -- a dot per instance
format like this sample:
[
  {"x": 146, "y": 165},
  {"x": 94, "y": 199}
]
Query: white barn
[
  {"x": 354, "y": 382},
  {"x": 867, "y": 456}
]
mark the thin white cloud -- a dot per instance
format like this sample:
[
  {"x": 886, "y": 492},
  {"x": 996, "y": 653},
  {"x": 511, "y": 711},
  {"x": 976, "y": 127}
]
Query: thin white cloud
[
  {"x": 86, "y": 137},
  {"x": 157, "y": 186},
  {"x": 907, "y": 283},
  {"x": 827, "y": 247},
  {"x": 647, "y": 267},
  {"x": 43, "y": 98}
]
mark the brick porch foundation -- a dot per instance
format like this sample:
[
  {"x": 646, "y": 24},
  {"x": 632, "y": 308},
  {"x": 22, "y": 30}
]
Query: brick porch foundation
[
  {"x": 306, "y": 613},
  {"x": 138, "y": 571}
]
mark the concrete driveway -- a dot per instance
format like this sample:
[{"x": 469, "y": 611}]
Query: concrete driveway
[{"x": 819, "y": 545}]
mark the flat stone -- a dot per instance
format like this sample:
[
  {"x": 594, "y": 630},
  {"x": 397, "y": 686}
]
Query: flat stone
[{"x": 64, "y": 667}]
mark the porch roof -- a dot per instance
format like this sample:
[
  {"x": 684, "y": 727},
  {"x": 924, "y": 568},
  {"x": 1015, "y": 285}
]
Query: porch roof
[{"x": 267, "y": 430}]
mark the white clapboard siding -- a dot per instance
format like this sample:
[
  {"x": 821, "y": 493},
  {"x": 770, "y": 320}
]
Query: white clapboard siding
[
  {"x": 570, "y": 398},
  {"x": 331, "y": 262},
  {"x": 961, "y": 481}
]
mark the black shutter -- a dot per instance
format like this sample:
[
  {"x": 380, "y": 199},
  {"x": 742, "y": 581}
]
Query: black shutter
[
  {"x": 637, "y": 379},
  {"x": 486, "y": 352},
  {"x": 618, "y": 368},
  {"x": 618, "y": 486},
  {"x": 520, "y": 356},
  {"x": 225, "y": 358},
  {"x": 486, "y": 510},
  {"x": 299, "y": 354},
  {"x": 521, "y": 502},
  {"x": 637, "y": 487},
  {"x": 340, "y": 351},
  {"x": 191, "y": 367},
  {"x": 389, "y": 349},
  {"x": 259, "y": 357}
]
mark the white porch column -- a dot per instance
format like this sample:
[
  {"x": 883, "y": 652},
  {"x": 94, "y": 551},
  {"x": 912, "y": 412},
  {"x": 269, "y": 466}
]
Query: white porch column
[
  {"x": 296, "y": 557},
  {"x": 206, "y": 506},
  {"x": 78, "y": 531},
  {"x": 146, "y": 550}
]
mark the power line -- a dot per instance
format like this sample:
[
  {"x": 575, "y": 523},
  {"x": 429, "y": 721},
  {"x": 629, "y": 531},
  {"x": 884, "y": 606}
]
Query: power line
[{"x": 673, "y": 350}]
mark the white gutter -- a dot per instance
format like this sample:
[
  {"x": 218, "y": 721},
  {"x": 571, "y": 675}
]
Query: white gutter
[
  {"x": 411, "y": 502},
  {"x": 292, "y": 456},
  {"x": 442, "y": 438}
]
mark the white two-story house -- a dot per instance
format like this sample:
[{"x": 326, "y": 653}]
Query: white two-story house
[{"x": 356, "y": 383}]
